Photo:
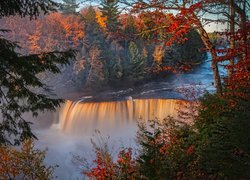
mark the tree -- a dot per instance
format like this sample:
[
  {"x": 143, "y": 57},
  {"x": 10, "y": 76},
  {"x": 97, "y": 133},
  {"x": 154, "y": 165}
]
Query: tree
[
  {"x": 137, "y": 62},
  {"x": 18, "y": 76},
  {"x": 130, "y": 30},
  {"x": 159, "y": 53},
  {"x": 96, "y": 70},
  {"x": 93, "y": 33},
  {"x": 172, "y": 28},
  {"x": 110, "y": 11},
  {"x": 34, "y": 39},
  {"x": 69, "y": 6},
  {"x": 189, "y": 15},
  {"x": 116, "y": 69},
  {"x": 26, "y": 163},
  {"x": 221, "y": 138}
]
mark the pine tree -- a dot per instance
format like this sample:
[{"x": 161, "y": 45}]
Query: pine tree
[
  {"x": 93, "y": 34},
  {"x": 69, "y": 6},
  {"x": 116, "y": 69},
  {"x": 18, "y": 74},
  {"x": 94, "y": 39},
  {"x": 137, "y": 62},
  {"x": 110, "y": 10},
  {"x": 152, "y": 162}
]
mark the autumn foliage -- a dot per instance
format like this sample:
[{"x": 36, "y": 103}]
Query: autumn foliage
[
  {"x": 106, "y": 168},
  {"x": 55, "y": 31},
  {"x": 24, "y": 163}
]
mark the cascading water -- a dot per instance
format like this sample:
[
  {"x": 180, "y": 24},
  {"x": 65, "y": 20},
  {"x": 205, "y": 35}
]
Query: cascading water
[{"x": 83, "y": 117}]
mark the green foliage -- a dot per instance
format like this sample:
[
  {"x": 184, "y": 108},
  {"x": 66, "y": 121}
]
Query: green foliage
[
  {"x": 216, "y": 146},
  {"x": 129, "y": 58},
  {"x": 214, "y": 37},
  {"x": 93, "y": 34},
  {"x": 110, "y": 11},
  {"x": 18, "y": 78},
  {"x": 69, "y": 6},
  {"x": 90, "y": 16},
  {"x": 137, "y": 63},
  {"x": 222, "y": 138},
  {"x": 116, "y": 69},
  {"x": 153, "y": 163},
  {"x": 164, "y": 149},
  {"x": 188, "y": 53},
  {"x": 26, "y": 163},
  {"x": 31, "y": 8}
]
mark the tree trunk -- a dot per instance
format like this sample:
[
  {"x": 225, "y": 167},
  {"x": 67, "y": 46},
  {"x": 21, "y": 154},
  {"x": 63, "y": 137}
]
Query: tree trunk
[
  {"x": 243, "y": 20},
  {"x": 210, "y": 47},
  {"x": 232, "y": 31}
]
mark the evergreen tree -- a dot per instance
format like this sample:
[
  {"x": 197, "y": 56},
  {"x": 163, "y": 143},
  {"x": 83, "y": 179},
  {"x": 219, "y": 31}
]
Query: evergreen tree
[
  {"x": 153, "y": 164},
  {"x": 69, "y": 6},
  {"x": 110, "y": 11},
  {"x": 93, "y": 34},
  {"x": 116, "y": 69},
  {"x": 137, "y": 62},
  {"x": 18, "y": 74},
  {"x": 94, "y": 39},
  {"x": 222, "y": 138}
]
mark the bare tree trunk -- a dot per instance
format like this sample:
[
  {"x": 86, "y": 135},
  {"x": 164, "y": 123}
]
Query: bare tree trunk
[
  {"x": 210, "y": 47},
  {"x": 243, "y": 20},
  {"x": 232, "y": 39}
]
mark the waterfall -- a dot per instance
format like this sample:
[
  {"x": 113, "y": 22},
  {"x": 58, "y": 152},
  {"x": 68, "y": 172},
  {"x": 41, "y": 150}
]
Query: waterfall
[{"x": 83, "y": 117}]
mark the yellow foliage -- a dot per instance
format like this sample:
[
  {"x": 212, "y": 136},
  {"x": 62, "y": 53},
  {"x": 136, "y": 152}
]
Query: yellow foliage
[
  {"x": 158, "y": 53},
  {"x": 101, "y": 20}
]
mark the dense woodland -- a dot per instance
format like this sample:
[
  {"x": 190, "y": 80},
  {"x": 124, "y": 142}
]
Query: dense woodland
[{"x": 110, "y": 46}]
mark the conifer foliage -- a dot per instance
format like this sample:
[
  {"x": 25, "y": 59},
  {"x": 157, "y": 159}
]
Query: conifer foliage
[
  {"x": 137, "y": 62},
  {"x": 69, "y": 6},
  {"x": 18, "y": 76},
  {"x": 110, "y": 11}
]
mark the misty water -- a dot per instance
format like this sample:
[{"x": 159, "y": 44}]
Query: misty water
[{"x": 114, "y": 113}]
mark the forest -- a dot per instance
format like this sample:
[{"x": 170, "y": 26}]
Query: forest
[
  {"x": 105, "y": 55},
  {"x": 73, "y": 59}
]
